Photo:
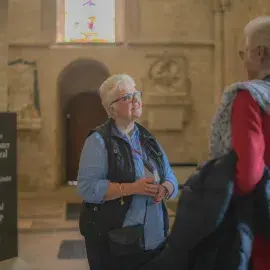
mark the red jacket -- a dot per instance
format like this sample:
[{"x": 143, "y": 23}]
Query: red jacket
[{"x": 251, "y": 141}]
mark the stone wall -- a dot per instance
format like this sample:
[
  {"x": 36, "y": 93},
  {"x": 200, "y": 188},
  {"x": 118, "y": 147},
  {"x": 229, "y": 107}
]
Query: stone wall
[
  {"x": 3, "y": 54},
  {"x": 194, "y": 35}
]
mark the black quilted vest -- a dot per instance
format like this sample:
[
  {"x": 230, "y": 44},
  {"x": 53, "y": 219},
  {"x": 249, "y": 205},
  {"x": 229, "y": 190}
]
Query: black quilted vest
[{"x": 97, "y": 219}]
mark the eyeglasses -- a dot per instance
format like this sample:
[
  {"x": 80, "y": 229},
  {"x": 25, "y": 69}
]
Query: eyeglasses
[
  {"x": 130, "y": 97},
  {"x": 243, "y": 52}
]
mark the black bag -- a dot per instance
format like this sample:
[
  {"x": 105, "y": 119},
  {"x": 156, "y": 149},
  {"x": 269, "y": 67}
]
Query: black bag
[
  {"x": 130, "y": 239},
  {"x": 126, "y": 240}
]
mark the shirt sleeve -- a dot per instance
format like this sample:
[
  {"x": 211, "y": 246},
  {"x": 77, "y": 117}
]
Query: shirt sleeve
[
  {"x": 92, "y": 183},
  {"x": 247, "y": 141},
  {"x": 169, "y": 174}
]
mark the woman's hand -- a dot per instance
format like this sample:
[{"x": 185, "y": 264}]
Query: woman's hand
[
  {"x": 146, "y": 186},
  {"x": 162, "y": 192}
]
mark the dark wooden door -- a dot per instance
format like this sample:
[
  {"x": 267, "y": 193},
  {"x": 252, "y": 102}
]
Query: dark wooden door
[{"x": 84, "y": 112}]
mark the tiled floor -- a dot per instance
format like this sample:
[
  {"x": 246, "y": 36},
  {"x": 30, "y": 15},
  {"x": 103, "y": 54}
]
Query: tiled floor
[
  {"x": 39, "y": 250},
  {"x": 42, "y": 228}
]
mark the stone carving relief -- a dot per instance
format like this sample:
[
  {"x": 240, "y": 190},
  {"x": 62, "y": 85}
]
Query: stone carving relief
[
  {"x": 23, "y": 96},
  {"x": 167, "y": 93}
]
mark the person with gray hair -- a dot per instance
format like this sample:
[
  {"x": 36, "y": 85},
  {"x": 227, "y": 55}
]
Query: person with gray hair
[
  {"x": 232, "y": 226},
  {"x": 242, "y": 123},
  {"x": 124, "y": 177},
  {"x": 256, "y": 52}
]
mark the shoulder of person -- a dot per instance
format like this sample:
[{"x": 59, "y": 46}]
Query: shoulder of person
[
  {"x": 95, "y": 139},
  {"x": 244, "y": 96},
  {"x": 144, "y": 131}
]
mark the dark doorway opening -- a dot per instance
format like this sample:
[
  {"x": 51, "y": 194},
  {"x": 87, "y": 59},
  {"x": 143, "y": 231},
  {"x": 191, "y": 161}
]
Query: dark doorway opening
[
  {"x": 84, "y": 112},
  {"x": 80, "y": 111}
]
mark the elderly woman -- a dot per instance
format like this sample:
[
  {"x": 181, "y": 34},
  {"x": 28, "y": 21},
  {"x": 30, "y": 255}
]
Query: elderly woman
[
  {"x": 124, "y": 176},
  {"x": 242, "y": 124},
  {"x": 251, "y": 123}
]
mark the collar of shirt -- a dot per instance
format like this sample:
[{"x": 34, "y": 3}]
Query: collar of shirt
[{"x": 119, "y": 133}]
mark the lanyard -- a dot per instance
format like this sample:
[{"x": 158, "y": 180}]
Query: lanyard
[
  {"x": 146, "y": 163},
  {"x": 137, "y": 152}
]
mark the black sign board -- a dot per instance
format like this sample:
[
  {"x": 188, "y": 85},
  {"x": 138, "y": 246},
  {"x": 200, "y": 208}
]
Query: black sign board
[{"x": 8, "y": 186}]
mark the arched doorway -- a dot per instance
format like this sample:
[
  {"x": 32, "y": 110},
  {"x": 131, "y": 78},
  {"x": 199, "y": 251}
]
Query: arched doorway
[
  {"x": 80, "y": 109},
  {"x": 84, "y": 112}
]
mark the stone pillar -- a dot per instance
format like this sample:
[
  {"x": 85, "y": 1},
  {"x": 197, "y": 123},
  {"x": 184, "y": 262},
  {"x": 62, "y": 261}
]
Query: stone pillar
[
  {"x": 219, "y": 50},
  {"x": 220, "y": 9},
  {"x": 3, "y": 54}
]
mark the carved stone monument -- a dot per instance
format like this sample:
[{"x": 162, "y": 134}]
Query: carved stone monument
[
  {"x": 167, "y": 93},
  {"x": 23, "y": 94}
]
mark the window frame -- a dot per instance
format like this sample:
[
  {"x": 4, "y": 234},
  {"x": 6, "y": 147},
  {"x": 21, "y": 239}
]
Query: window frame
[{"x": 120, "y": 25}]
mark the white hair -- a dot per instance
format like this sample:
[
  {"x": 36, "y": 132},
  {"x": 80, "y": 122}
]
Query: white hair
[
  {"x": 109, "y": 88},
  {"x": 257, "y": 32}
]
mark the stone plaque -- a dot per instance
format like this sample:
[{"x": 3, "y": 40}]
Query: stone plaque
[
  {"x": 167, "y": 97},
  {"x": 166, "y": 119},
  {"x": 23, "y": 94},
  {"x": 8, "y": 187}
]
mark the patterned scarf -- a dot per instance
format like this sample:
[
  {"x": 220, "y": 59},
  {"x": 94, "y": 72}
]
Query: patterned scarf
[{"x": 220, "y": 141}]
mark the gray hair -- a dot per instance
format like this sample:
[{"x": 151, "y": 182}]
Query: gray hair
[
  {"x": 109, "y": 88},
  {"x": 257, "y": 32}
]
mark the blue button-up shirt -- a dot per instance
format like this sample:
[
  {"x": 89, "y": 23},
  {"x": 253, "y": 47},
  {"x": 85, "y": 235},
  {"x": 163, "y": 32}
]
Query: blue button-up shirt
[{"x": 93, "y": 185}]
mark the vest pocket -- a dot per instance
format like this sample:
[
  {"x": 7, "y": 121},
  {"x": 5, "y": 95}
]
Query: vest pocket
[
  {"x": 89, "y": 222},
  {"x": 95, "y": 221},
  {"x": 119, "y": 161}
]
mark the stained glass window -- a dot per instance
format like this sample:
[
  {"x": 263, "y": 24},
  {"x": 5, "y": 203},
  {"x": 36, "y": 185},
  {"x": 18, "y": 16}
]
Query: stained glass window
[{"x": 89, "y": 21}]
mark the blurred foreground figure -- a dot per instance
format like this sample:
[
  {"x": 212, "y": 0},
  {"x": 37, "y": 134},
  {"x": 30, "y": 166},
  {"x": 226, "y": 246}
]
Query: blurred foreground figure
[{"x": 223, "y": 215}]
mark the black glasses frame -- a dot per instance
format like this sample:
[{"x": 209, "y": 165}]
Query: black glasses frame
[{"x": 128, "y": 94}]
